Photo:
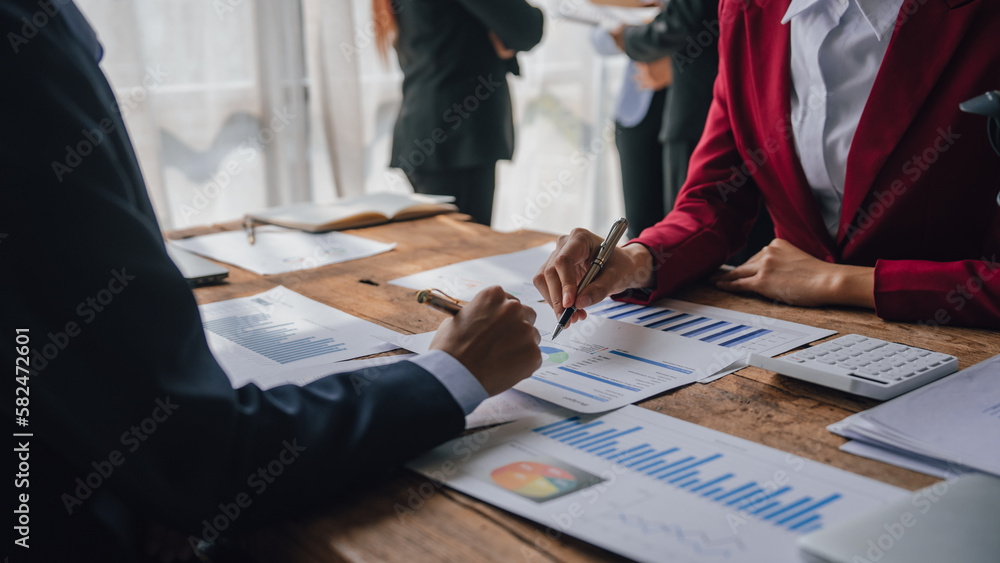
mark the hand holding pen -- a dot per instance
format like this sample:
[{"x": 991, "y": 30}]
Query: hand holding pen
[
  {"x": 560, "y": 279},
  {"x": 493, "y": 336}
]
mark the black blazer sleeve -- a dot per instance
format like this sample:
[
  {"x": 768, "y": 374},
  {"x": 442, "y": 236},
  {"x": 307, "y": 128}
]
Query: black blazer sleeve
[
  {"x": 670, "y": 30},
  {"x": 687, "y": 31},
  {"x": 117, "y": 338},
  {"x": 517, "y": 23}
]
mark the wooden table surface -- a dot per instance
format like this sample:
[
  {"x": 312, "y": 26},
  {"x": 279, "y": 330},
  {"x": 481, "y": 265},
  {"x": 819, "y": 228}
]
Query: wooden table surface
[{"x": 754, "y": 404}]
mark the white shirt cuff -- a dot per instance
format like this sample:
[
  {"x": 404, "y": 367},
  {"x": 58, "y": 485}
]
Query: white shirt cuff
[{"x": 458, "y": 380}]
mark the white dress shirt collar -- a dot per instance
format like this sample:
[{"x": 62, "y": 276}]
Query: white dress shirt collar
[{"x": 880, "y": 15}]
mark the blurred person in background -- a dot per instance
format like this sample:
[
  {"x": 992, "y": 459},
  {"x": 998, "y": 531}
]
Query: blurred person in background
[
  {"x": 638, "y": 120},
  {"x": 679, "y": 49},
  {"x": 456, "y": 120}
]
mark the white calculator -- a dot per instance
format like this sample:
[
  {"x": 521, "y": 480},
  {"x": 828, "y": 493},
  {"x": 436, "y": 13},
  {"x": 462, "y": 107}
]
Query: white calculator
[{"x": 861, "y": 365}]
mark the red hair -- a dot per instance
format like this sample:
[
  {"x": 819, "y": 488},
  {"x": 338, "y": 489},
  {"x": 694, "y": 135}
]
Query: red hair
[{"x": 385, "y": 26}]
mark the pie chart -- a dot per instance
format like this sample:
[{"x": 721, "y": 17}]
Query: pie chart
[
  {"x": 553, "y": 355},
  {"x": 534, "y": 480}
]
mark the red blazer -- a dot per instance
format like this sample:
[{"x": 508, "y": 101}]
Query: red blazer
[{"x": 920, "y": 195}]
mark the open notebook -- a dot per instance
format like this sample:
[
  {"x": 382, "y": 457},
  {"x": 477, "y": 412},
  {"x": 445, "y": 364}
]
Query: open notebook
[{"x": 355, "y": 212}]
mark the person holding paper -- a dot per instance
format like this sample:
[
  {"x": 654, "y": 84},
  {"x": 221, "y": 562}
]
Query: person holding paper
[
  {"x": 844, "y": 120},
  {"x": 455, "y": 121},
  {"x": 131, "y": 419}
]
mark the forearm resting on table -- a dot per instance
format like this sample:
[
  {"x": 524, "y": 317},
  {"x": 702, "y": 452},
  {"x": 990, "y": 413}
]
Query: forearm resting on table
[{"x": 853, "y": 286}]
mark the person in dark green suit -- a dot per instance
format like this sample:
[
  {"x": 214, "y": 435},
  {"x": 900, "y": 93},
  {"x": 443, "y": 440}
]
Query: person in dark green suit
[{"x": 456, "y": 122}]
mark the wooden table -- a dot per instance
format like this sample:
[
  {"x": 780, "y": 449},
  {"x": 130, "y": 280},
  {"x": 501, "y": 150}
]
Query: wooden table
[{"x": 754, "y": 404}]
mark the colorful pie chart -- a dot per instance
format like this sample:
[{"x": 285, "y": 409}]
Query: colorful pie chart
[
  {"x": 553, "y": 355},
  {"x": 534, "y": 480}
]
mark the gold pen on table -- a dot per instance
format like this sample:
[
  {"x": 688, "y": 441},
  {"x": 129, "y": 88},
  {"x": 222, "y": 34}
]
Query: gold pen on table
[
  {"x": 603, "y": 253},
  {"x": 248, "y": 226},
  {"x": 444, "y": 304}
]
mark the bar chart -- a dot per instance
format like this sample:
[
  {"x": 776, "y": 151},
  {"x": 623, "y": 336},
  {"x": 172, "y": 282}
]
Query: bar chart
[
  {"x": 693, "y": 473},
  {"x": 689, "y": 325},
  {"x": 278, "y": 342},
  {"x": 738, "y": 332},
  {"x": 259, "y": 337},
  {"x": 663, "y": 489}
]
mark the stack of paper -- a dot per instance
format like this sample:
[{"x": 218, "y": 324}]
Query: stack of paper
[{"x": 945, "y": 428}]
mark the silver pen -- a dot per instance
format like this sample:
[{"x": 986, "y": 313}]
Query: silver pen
[{"x": 607, "y": 247}]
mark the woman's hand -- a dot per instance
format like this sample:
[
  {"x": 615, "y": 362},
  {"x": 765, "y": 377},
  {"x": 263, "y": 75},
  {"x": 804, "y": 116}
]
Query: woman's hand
[
  {"x": 557, "y": 280},
  {"x": 783, "y": 272}
]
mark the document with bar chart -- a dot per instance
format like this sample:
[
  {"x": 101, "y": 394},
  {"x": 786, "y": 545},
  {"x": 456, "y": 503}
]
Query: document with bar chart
[
  {"x": 603, "y": 364},
  {"x": 279, "y": 330},
  {"x": 740, "y": 333},
  {"x": 606, "y": 364},
  {"x": 652, "y": 487}
]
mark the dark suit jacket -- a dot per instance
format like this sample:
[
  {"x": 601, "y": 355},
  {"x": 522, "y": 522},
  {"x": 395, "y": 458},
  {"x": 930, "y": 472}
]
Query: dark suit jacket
[
  {"x": 456, "y": 110},
  {"x": 127, "y": 397},
  {"x": 687, "y": 30},
  {"x": 920, "y": 195}
]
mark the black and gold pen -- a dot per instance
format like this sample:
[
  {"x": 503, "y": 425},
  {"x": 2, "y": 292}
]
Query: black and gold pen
[
  {"x": 443, "y": 304},
  {"x": 603, "y": 253}
]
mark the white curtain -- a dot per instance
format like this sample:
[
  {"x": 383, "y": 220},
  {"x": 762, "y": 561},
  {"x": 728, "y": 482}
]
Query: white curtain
[{"x": 236, "y": 105}]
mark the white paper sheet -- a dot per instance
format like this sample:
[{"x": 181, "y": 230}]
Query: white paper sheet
[
  {"x": 465, "y": 280},
  {"x": 653, "y": 488},
  {"x": 509, "y": 406},
  {"x": 306, "y": 375},
  {"x": 278, "y": 250},
  {"x": 261, "y": 337},
  {"x": 590, "y": 369}
]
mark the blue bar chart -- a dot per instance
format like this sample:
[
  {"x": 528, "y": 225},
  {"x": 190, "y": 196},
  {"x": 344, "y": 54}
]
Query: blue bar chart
[
  {"x": 704, "y": 328},
  {"x": 279, "y": 342},
  {"x": 738, "y": 332},
  {"x": 669, "y": 490},
  {"x": 699, "y": 475}
]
